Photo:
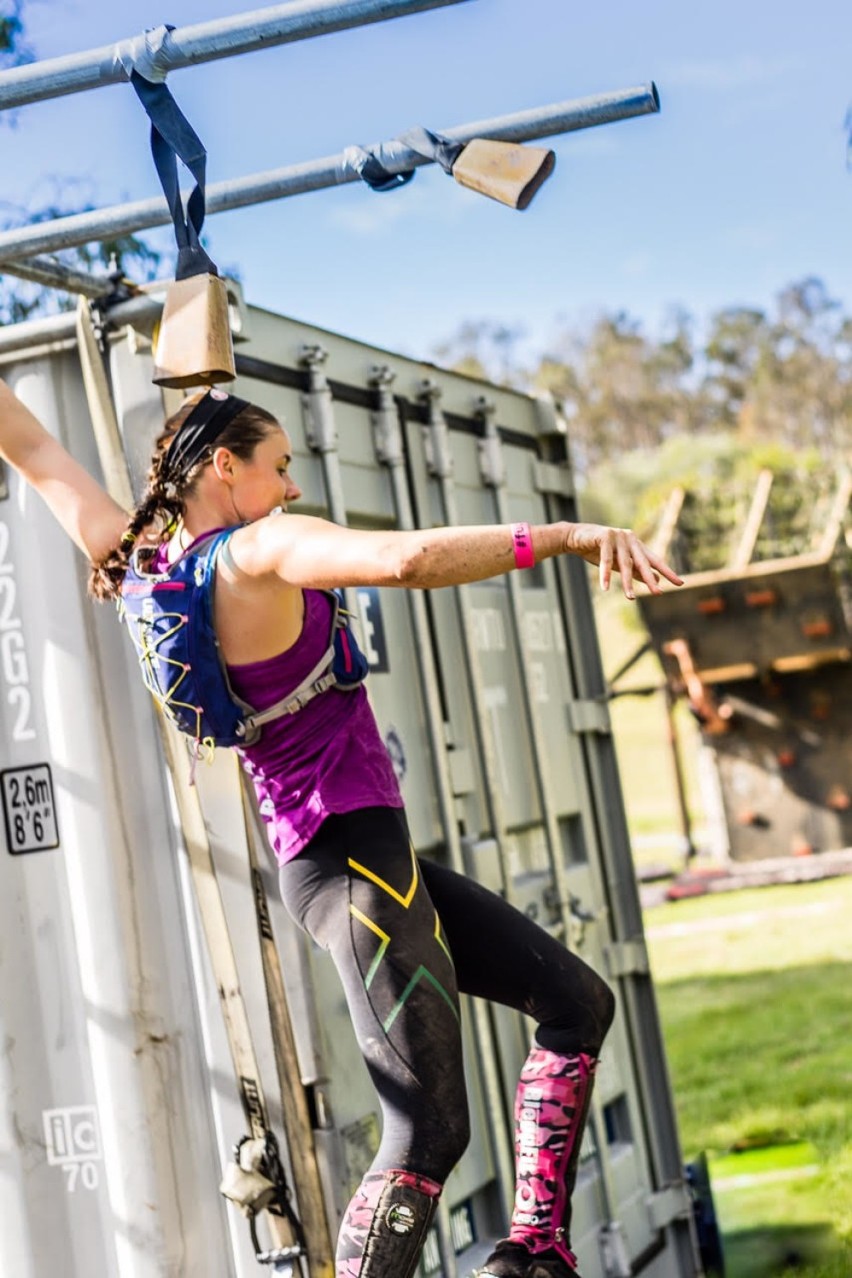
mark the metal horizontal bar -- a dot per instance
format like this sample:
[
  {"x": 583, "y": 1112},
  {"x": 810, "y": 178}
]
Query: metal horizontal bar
[
  {"x": 46, "y": 331},
  {"x": 202, "y": 42},
  {"x": 316, "y": 175},
  {"x": 53, "y": 330},
  {"x": 54, "y": 274}
]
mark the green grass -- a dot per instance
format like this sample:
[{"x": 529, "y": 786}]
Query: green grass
[
  {"x": 756, "y": 1011},
  {"x": 754, "y": 1000},
  {"x": 640, "y": 729},
  {"x": 762, "y": 930}
]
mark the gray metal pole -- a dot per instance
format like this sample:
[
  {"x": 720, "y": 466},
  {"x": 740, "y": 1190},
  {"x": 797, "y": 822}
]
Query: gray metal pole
[
  {"x": 203, "y": 42},
  {"x": 316, "y": 175},
  {"x": 54, "y": 274},
  {"x": 52, "y": 330},
  {"x": 49, "y": 330}
]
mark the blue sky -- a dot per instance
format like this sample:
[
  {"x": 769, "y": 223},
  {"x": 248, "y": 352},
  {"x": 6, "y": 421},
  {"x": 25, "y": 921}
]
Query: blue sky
[{"x": 739, "y": 186}]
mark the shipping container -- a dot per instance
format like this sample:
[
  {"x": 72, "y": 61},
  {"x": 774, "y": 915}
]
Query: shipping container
[{"x": 118, "y": 1103}]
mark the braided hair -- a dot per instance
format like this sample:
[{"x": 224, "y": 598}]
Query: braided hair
[{"x": 163, "y": 501}]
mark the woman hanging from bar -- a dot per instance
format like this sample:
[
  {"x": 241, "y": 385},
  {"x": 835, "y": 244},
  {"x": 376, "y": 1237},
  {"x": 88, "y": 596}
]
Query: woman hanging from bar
[{"x": 406, "y": 935}]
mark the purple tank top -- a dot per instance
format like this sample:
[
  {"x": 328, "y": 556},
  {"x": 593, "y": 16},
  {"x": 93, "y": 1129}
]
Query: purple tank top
[{"x": 328, "y": 758}]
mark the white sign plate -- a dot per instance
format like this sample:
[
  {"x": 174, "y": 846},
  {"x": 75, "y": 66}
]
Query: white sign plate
[{"x": 28, "y": 809}]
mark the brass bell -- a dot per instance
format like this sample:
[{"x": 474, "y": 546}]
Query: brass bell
[
  {"x": 193, "y": 346},
  {"x": 505, "y": 171}
]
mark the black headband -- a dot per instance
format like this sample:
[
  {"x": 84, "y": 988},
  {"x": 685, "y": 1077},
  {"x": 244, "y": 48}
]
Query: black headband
[{"x": 202, "y": 427}]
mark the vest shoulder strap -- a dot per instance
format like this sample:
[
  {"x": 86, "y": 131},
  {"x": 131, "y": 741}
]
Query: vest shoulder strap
[{"x": 317, "y": 681}]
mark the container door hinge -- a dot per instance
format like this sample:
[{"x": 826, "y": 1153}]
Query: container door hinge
[
  {"x": 627, "y": 958},
  {"x": 553, "y": 478},
  {"x": 673, "y": 1202},
  {"x": 589, "y": 716}
]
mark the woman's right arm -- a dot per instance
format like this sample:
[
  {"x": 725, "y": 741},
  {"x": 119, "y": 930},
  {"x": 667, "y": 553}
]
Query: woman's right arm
[{"x": 88, "y": 514}]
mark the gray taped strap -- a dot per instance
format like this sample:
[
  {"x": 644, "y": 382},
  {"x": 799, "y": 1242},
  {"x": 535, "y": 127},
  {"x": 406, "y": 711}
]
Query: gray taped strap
[
  {"x": 352, "y": 160},
  {"x": 389, "y": 164},
  {"x": 147, "y": 54},
  {"x": 394, "y": 157}
]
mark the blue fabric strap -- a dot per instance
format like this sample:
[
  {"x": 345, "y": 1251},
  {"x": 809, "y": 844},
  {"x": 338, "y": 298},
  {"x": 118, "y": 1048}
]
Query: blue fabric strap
[{"x": 173, "y": 138}]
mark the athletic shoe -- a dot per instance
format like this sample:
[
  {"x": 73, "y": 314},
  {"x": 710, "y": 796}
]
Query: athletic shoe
[{"x": 514, "y": 1260}]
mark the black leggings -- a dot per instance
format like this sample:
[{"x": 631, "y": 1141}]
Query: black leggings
[{"x": 391, "y": 924}]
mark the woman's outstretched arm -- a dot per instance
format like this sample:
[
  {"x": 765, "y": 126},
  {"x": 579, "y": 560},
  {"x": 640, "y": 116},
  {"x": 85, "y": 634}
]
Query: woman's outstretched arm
[
  {"x": 304, "y": 551},
  {"x": 87, "y": 513}
]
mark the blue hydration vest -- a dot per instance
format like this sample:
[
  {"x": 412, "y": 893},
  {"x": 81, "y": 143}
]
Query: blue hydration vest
[{"x": 170, "y": 619}]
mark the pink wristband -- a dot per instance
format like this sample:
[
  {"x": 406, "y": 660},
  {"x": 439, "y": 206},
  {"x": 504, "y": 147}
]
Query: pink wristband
[{"x": 523, "y": 547}]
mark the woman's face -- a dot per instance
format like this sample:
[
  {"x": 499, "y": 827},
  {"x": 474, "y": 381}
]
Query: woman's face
[{"x": 262, "y": 482}]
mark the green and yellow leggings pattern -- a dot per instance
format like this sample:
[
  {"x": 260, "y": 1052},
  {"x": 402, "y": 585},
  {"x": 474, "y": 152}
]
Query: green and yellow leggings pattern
[{"x": 395, "y": 915}]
